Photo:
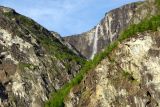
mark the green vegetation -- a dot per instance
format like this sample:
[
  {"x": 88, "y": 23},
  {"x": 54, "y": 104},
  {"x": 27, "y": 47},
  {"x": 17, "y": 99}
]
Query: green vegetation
[
  {"x": 55, "y": 48},
  {"x": 26, "y": 65},
  {"x": 21, "y": 18},
  {"x": 59, "y": 51},
  {"x": 8, "y": 14},
  {"x": 52, "y": 45},
  {"x": 158, "y": 3},
  {"x": 128, "y": 76},
  {"x": 147, "y": 24}
]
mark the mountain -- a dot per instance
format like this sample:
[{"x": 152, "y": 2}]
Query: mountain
[
  {"x": 33, "y": 61},
  {"x": 126, "y": 73},
  {"x": 40, "y": 68},
  {"x": 58, "y": 36},
  {"x": 131, "y": 79},
  {"x": 95, "y": 40}
]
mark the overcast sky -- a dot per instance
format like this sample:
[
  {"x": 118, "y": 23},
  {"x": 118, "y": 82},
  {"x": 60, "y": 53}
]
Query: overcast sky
[{"x": 66, "y": 17}]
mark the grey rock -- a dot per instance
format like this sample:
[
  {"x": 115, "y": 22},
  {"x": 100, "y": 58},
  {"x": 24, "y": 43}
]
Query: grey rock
[
  {"x": 33, "y": 63},
  {"x": 111, "y": 26}
]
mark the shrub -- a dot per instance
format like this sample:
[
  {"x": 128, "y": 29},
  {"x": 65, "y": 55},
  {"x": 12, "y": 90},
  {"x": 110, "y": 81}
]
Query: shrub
[
  {"x": 147, "y": 24},
  {"x": 158, "y": 3},
  {"x": 59, "y": 51},
  {"x": 22, "y": 66}
]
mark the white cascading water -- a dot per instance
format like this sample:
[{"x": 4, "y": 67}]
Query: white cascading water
[{"x": 95, "y": 38}]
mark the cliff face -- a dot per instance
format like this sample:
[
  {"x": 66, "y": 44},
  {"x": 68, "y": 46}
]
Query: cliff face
[
  {"x": 72, "y": 48},
  {"x": 33, "y": 62},
  {"x": 131, "y": 79},
  {"x": 115, "y": 21},
  {"x": 129, "y": 75}
]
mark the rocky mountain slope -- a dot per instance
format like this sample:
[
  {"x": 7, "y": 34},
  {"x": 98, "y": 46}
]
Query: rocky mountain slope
[
  {"x": 33, "y": 62},
  {"x": 130, "y": 79},
  {"x": 129, "y": 74},
  {"x": 115, "y": 21},
  {"x": 58, "y": 36}
]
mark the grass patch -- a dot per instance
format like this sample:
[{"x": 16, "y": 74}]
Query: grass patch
[
  {"x": 147, "y": 24},
  {"x": 60, "y": 51},
  {"x": 128, "y": 76},
  {"x": 158, "y": 3},
  {"x": 21, "y": 18},
  {"x": 55, "y": 48},
  {"x": 26, "y": 65}
]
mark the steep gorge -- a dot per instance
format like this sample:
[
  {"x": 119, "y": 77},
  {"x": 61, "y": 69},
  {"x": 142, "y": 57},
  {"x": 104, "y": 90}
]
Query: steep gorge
[{"x": 37, "y": 65}]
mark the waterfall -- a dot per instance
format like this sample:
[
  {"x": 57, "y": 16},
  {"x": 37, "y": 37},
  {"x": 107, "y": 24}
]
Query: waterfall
[{"x": 95, "y": 40}]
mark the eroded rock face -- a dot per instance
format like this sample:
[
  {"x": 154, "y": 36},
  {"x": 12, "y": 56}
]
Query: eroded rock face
[
  {"x": 30, "y": 68},
  {"x": 55, "y": 34},
  {"x": 131, "y": 79},
  {"x": 110, "y": 27}
]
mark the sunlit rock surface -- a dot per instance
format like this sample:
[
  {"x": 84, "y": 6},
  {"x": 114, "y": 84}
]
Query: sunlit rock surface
[
  {"x": 30, "y": 68},
  {"x": 132, "y": 79},
  {"x": 35, "y": 62},
  {"x": 110, "y": 27}
]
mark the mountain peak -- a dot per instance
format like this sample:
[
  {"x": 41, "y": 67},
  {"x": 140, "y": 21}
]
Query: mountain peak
[{"x": 6, "y": 9}]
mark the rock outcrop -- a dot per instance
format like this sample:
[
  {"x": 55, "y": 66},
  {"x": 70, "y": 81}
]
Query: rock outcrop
[
  {"x": 58, "y": 36},
  {"x": 110, "y": 27},
  {"x": 33, "y": 62},
  {"x": 130, "y": 79},
  {"x": 129, "y": 75}
]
